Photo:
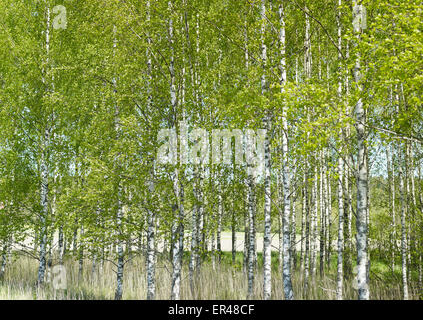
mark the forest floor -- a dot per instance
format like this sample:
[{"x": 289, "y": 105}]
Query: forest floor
[{"x": 214, "y": 281}]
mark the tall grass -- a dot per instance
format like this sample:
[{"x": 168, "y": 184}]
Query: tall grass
[{"x": 223, "y": 281}]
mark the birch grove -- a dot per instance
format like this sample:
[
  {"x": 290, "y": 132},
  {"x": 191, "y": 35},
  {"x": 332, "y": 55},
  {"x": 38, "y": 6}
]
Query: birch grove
[{"x": 173, "y": 149}]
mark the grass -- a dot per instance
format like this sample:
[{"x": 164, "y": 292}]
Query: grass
[{"x": 223, "y": 281}]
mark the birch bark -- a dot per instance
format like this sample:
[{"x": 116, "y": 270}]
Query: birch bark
[
  {"x": 286, "y": 178},
  {"x": 4, "y": 260},
  {"x": 314, "y": 231},
  {"x": 362, "y": 179},
  {"x": 250, "y": 198},
  {"x": 44, "y": 169},
  {"x": 151, "y": 221},
  {"x": 267, "y": 188},
  {"x": 340, "y": 262},
  {"x": 391, "y": 190},
  {"x": 322, "y": 215},
  {"x": 177, "y": 247},
  {"x": 403, "y": 232},
  {"x": 119, "y": 214},
  {"x": 307, "y": 169}
]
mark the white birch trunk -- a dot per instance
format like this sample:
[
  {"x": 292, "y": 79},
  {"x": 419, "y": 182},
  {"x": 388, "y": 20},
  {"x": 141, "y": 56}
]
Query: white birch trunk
[
  {"x": 408, "y": 215},
  {"x": 348, "y": 173},
  {"x": 177, "y": 248},
  {"x": 403, "y": 196},
  {"x": 329, "y": 221},
  {"x": 251, "y": 246},
  {"x": 314, "y": 231},
  {"x": 250, "y": 201},
  {"x": 119, "y": 213},
  {"x": 267, "y": 191},
  {"x": 286, "y": 178},
  {"x": 309, "y": 221},
  {"x": 151, "y": 257},
  {"x": 4, "y": 260},
  {"x": 293, "y": 231},
  {"x": 340, "y": 262},
  {"x": 362, "y": 184},
  {"x": 326, "y": 202},
  {"x": 120, "y": 262},
  {"x": 303, "y": 223},
  {"x": 219, "y": 221},
  {"x": 280, "y": 218},
  {"x": 391, "y": 187},
  {"x": 252, "y": 228},
  {"x": 322, "y": 214},
  {"x": 348, "y": 217},
  {"x": 200, "y": 189},
  {"x": 194, "y": 244},
  {"x": 61, "y": 244},
  {"x": 246, "y": 234},
  {"x": 151, "y": 219},
  {"x": 339, "y": 274},
  {"x": 307, "y": 235},
  {"x": 200, "y": 220},
  {"x": 44, "y": 169},
  {"x": 267, "y": 223},
  {"x": 81, "y": 254}
]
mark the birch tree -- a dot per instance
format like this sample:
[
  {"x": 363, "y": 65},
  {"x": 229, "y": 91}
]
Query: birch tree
[{"x": 362, "y": 174}]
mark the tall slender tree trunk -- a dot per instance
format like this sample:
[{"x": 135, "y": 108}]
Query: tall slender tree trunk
[
  {"x": 75, "y": 236},
  {"x": 246, "y": 234},
  {"x": 314, "y": 231},
  {"x": 120, "y": 261},
  {"x": 303, "y": 222},
  {"x": 280, "y": 218},
  {"x": 340, "y": 245},
  {"x": 348, "y": 175},
  {"x": 329, "y": 220},
  {"x": 151, "y": 257},
  {"x": 362, "y": 180},
  {"x": 44, "y": 169},
  {"x": 233, "y": 227},
  {"x": 309, "y": 220},
  {"x": 3, "y": 262},
  {"x": 151, "y": 219},
  {"x": 177, "y": 247},
  {"x": 286, "y": 178},
  {"x": 267, "y": 237},
  {"x": 81, "y": 254},
  {"x": 61, "y": 244},
  {"x": 307, "y": 236},
  {"x": 201, "y": 168},
  {"x": 250, "y": 198},
  {"x": 251, "y": 240},
  {"x": 267, "y": 187},
  {"x": 347, "y": 222},
  {"x": 391, "y": 190},
  {"x": 200, "y": 220},
  {"x": 408, "y": 207},
  {"x": 403, "y": 231},
  {"x": 194, "y": 232},
  {"x": 119, "y": 213},
  {"x": 219, "y": 221},
  {"x": 293, "y": 230},
  {"x": 322, "y": 214},
  {"x": 340, "y": 263}
]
